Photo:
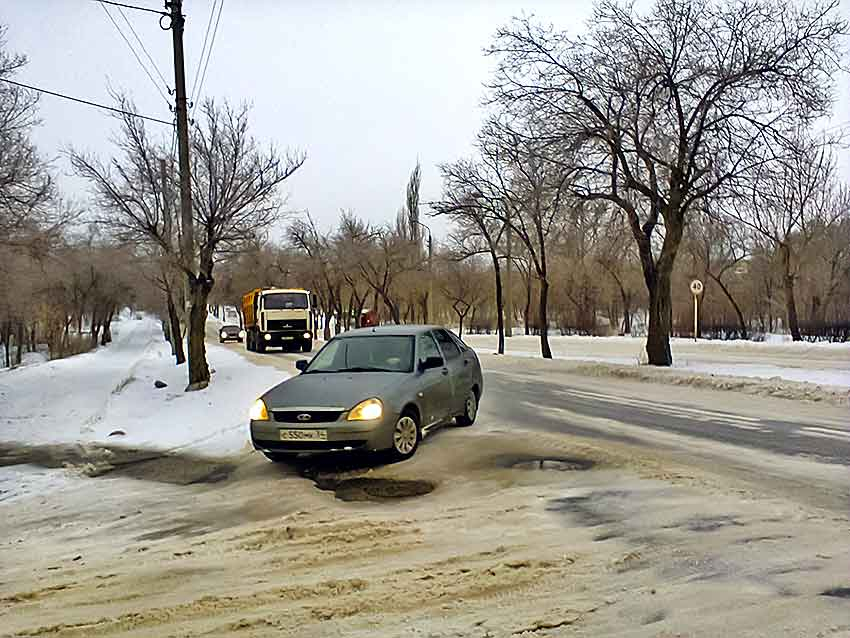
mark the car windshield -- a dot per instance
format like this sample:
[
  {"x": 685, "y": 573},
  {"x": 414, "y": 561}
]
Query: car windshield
[
  {"x": 365, "y": 354},
  {"x": 285, "y": 301}
]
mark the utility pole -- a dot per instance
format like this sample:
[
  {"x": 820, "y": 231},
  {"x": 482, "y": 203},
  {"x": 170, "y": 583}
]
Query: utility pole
[
  {"x": 430, "y": 277},
  {"x": 509, "y": 298},
  {"x": 175, "y": 7}
]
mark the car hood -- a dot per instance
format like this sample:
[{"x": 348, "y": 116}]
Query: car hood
[{"x": 336, "y": 389}]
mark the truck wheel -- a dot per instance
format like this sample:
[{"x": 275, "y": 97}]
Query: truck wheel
[{"x": 307, "y": 346}]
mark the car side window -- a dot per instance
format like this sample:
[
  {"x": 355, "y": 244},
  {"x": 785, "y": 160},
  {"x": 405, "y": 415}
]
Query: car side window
[
  {"x": 428, "y": 347},
  {"x": 447, "y": 345},
  {"x": 460, "y": 344}
]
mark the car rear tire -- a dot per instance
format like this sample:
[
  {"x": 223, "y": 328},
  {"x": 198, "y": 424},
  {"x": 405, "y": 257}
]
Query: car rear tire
[
  {"x": 406, "y": 436},
  {"x": 470, "y": 410}
]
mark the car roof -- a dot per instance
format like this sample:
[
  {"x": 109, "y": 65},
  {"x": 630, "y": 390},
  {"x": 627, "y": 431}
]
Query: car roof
[{"x": 388, "y": 331}]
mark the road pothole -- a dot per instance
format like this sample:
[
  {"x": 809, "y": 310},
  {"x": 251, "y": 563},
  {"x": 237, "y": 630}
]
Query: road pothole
[
  {"x": 374, "y": 489},
  {"x": 550, "y": 463}
]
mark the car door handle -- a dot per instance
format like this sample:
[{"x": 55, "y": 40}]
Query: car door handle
[
  {"x": 466, "y": 362},
  {"x": 445, "y": 371}
]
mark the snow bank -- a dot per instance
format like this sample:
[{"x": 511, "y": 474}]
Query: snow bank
[
  {"x": 773, "y": 387},
  {"x": 84, "y": 399},
  {"x": 820, "y": 363}
]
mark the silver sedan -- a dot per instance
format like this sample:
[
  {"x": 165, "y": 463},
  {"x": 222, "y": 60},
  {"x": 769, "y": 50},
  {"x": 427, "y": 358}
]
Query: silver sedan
[{"x": 377, "y": 388}]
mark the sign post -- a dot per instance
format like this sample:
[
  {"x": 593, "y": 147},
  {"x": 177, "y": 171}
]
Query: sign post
[{"x": 696, "y": 291}]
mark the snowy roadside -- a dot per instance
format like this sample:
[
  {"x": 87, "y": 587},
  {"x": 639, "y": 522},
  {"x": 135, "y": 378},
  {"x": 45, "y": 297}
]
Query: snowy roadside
[
  {"x": 800, "y": 367},
  {"x": 88, "y": 398}
]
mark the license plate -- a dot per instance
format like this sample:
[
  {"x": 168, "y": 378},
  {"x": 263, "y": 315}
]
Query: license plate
[
  {"x": 303, "y": 435},
  {"x": 287, "y": 338}
]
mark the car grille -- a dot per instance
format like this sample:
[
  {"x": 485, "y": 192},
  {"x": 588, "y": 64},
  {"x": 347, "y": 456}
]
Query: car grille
[
  {"x": 294, "y": 446},
  {"x": 286, "y": 324},
  {"x": 316, "y": 416}
]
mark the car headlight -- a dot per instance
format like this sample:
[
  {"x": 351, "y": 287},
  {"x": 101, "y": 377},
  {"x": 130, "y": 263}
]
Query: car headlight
[
  {"x": 224, "y": 335},
  {"x": 307, "y": 335},
  {"x": 241, "y": 334},
  {"x": 258, "y": 411},
  {"x": 367, "y": 410},
  {"x": 267, "y": 337}
]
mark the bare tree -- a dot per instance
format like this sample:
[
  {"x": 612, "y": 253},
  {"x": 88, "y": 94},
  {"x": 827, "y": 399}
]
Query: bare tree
[
  {"x": 235, "y": 198},
  {"x": 670, "y": 106},
  {"x": 27, "y": 196},
  {"x": 461, "y": 285},
  {"x": 533, "y": 189},
  {"x": 720, "y": 248},
  {"x": 132, "y": 204},
  {"x": 470, "y": 200},
  {"x": 787, "y": 205}
]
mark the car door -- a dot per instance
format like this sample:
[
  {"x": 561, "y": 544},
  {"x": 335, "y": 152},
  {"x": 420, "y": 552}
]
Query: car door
[
  {"x": 436, "y": 397},
  {"x": 459, "y": 370}
]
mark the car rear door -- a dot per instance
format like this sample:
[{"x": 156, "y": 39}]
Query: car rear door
[
  {"x": 459, "y": 369},
  {"x": 436, "y": 395}
]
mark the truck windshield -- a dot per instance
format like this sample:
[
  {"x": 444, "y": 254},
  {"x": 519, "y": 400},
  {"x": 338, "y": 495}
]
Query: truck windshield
[{"x": 285, "y": 301}]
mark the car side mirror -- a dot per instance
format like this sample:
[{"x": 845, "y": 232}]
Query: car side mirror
[
  {"x": 430, "y": 363},
  {"x": 301, "y": 365}
]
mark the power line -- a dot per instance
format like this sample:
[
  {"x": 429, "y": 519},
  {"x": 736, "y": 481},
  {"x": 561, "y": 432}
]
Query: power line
[
  {"x": 82, "y": 101},
  {"x": 209, "y": 51},
  {"x": 135, "y": 55},
  {"x": 203, "y": 51},
  {"x": 131, "y": 6},
  {"x": 142, "y": 44}
]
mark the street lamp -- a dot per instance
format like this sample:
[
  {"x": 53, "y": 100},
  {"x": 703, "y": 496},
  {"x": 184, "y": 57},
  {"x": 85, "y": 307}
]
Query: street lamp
[{"x": 430, "y": 272}]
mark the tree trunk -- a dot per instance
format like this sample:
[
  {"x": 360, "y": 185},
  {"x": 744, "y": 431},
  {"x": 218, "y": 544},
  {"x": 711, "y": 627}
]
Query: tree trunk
[
  {"x": 7, "y": 344},
  {"x": 175, "y": 330},
  {"x": 500, "y": 304},
  {"x": 199, "y": 372},
  {"x": 657, "y": 276},
  {"x": 545, "y": 350},
  {"x": 660, "y": 318},
  {"x": 19, "y": 343},
  {"x": 106, "y": 336},
  {"x": 95, "y": 327},
  {"x": 788, "y": 285},
  {"x": 627, "y": 312},
  {"x": 526, "y": 313},
  {"x": 460, "y": 325},
  {"x": 741, "y": 322}
]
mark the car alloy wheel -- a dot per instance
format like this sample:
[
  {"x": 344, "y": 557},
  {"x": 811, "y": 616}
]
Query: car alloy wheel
[
  {"x": 470, "y": 410},
  {"x": 405, "y": 436}
]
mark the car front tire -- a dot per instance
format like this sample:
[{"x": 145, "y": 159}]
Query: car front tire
[
  {"x": 470, "y": 410},
  {"x": 307, "y": 346},
  {"x": 406, "y": 436}
]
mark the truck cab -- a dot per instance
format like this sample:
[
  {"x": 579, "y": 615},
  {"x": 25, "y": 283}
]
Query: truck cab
[{"x": 278, "y": 317}]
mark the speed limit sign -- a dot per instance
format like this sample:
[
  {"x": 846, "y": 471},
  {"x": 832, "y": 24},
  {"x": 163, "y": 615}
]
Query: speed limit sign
[{"x": 696, "y": 287}]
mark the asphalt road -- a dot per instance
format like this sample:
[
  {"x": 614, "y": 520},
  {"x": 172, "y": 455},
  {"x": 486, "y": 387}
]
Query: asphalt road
[
  {"x": 559, "y": 406},
  {"x": 558, "y": 402}
]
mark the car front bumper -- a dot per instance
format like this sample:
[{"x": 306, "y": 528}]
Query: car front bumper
[{"x": 342, "y": 436}]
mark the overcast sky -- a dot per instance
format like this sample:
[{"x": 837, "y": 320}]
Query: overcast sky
[{"x": 365, "y": 87}]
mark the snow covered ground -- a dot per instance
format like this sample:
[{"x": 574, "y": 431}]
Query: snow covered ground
[
  {"x": 87, "y": 398},
  {"x": 819, "y": 363}
]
